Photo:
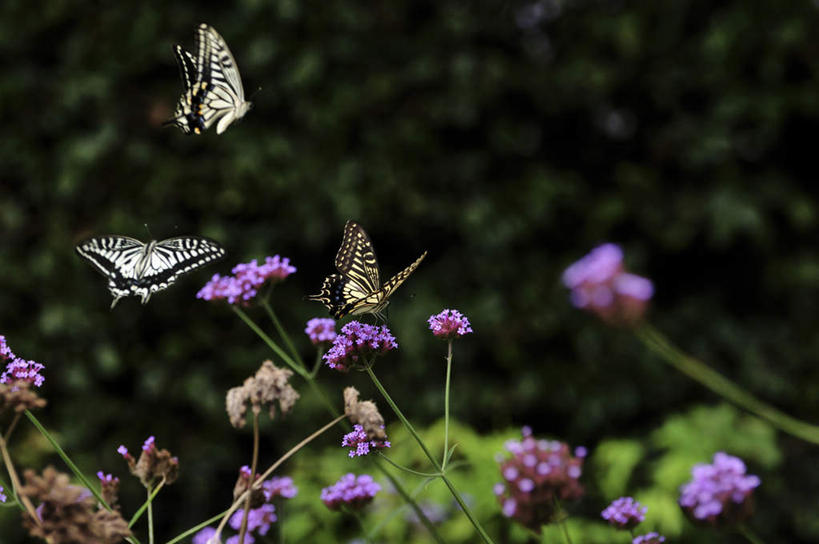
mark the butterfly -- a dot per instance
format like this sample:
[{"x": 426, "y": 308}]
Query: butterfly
[
  {"x": 134, "y": 268},
  {"x": 357, "y": 288},
  {"x": 213, "y": 88}
]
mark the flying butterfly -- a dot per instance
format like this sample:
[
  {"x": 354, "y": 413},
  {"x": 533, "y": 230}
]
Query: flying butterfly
[
  {"x": 357, "y": 288},
  {"x": 135, "y": 268},
  {"x": 213, "y": 88}
]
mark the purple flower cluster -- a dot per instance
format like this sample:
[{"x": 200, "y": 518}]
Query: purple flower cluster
[
  {"x": 203, "y": 536},
  {"x": 357, "y": 343},
  {"x": 350, "y": 492},
  {"x": 537, "y": 473},
  {"x": 279, "y": 486},
  {"x": 649, "y": 538},
  {"x": 321, "y": 329},
  {"x": 624, "y": 513},
  {"x": 246, "y": 280},
  {"x": 600, "y": 284},
  {"x": 3, "y": 498},
  {"x": 361, "y": 443},
  {"x": 259, "y": 519},
  {"x": 106, "y": 479},
  {"x": 449, "y": 324},
  {"x": 18, "y": 369},
  {"x": 719, "y": 493}
]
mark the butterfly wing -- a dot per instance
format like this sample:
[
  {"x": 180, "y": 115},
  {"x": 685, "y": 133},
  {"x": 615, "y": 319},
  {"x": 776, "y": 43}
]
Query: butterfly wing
[
  {"x": 356, "y": 258},
  {"x": 340, "y": 295},
  {"x": 174, "y": 257},
  {"x": 399, "y": 278},
  {"x": 187, "y": 67},
  {"x": 115, "y": 257}
]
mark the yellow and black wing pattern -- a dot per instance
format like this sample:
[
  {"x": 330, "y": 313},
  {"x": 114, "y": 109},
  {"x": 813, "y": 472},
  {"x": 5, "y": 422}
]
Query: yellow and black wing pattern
[{"x": 357, "y": 289}]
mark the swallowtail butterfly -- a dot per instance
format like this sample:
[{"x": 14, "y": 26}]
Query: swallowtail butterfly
[
  {"x": 213, "y": 88},
  {"x": 357, "y": 289},
  {"x": 134, "y": 268}
]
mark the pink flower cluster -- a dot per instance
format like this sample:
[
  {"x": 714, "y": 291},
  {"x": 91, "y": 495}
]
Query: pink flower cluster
[
  {"x": 357, "y": 343},
  {"x": 246, "y": 280},
  {"x": 719, "y": 493},
  {"x": 537, "y": 473},
  {"x": 321, "y": 330},
  {"x": 360, "y": 443},
  {"x": 18, "y": 369},
  {"x": 600, "y": 284},
  {"x": 351, "y": 492},
  {"x": 449, "y": 324}
]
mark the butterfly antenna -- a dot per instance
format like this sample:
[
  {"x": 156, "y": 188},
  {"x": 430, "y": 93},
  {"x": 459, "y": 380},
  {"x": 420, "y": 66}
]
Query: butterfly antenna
[
  {"x": 151, "y": 236},
  {"x": 257, "y": 91}
]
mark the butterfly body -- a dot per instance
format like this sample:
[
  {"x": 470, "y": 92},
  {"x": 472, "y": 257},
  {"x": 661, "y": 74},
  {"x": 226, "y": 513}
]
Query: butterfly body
[
  {"x": 134, "y": 268},
  {"x": 357, "y": 288},
  {"x": 213, "y": 87}
]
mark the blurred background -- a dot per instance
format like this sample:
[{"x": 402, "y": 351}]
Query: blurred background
[{"x": 507, "y": 139}]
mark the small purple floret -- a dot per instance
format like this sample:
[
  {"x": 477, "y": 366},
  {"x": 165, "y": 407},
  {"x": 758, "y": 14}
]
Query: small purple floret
[
  {"x": 360, "y": 443},
  {"x": 650, "y": 538},
  {"x": 3, "y": 498},
  {"x": 719, "y": 491},
  {"x": 321, "y": 329},
  {"x": 624, "y": 513},
  {"x": 149, "y": 444},
  {"x": 122, "y": 450},
  {"x": 449, "y": 324},
  {"x": 279, "y": 486},
  {"x": 350, "y": 491},
  {"x": 357, "y": 343},
  {"x": 258, "y": 519},
  {"x": 246, "y": 280}
]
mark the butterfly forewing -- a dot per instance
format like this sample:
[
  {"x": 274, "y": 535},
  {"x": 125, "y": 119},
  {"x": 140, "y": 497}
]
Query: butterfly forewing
[
  {"x": 187, "y": 67},
  {"x": 356, "y": 257},
  {"x": 399, "y": 278}
]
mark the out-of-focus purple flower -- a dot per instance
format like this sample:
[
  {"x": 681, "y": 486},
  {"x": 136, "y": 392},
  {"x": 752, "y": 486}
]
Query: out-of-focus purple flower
[
  {"x": 357, "y": 343},
  {"x": 649, "y": 538},
  {"x": 149, "y": 444},
  {"x": 321, "y": 330},
  {"x": 246, "y": 280},
  {"x": 122, "y": 450},
  {"x": 350, "y": 492},
  {"x": 600, "y": 284},
  {"x": 537, "y": 473},
  {"x": 258, "y": 519},
  {"x": 5, "y": 350},
  {"x": 720, "y": 493},
  {"x": 279, "y": 486},
  {"x": 235, "y": 539},
  {"x": 434, "y": 512},
  {"x": 203, "y": 536},
  {"x": 449, "y": 324},
  {"x": 3, "y": 498},
  {"x": 106, "y": 478},
  {"x": 624, "y": 513},
  {"x": 360, "y": 443}
]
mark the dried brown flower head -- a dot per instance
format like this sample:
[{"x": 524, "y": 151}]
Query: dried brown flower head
[
  {"x": 257, "y": 496},
  {"x": 19, "y": 396},
  {"x": 153, "y": 464},
  {"x": 364, "y": 413},
  {"x": 267, "y": 386},
  {"x": 67, "y": 512}
]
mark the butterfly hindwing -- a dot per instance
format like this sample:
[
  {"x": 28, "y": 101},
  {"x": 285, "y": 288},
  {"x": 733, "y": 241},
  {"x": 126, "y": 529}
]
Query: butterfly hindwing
[{"x": 134, "y": 268}]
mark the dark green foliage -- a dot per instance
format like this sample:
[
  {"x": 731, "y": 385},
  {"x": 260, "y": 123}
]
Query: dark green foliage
[{"x": 684, "y": 130}]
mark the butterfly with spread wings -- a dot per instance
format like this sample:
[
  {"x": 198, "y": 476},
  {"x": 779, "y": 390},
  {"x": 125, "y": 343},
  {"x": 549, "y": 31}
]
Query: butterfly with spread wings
[
  {"x": 357, "y": 288},
  {"x": 213, "y": 88},
  {"x": 134, "y": 268}
]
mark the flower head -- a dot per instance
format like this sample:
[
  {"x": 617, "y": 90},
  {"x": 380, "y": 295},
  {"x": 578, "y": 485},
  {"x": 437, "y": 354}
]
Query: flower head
[
  {"x": 204, "y": 536},
  {"x": 351, "y": 492},
  {"x": 449, "y": 324},
  {"x": 720, "y": 493},
  {"x": 3, "y": 498},
  {"x": 357, "y": 343},
  {"x": 279, "y": 486},
  {"x": 321, "y": 330},
  {"x": 258, "y": 519},
  {"x": 364, "y": 413},
  {"x": 153, "y": 464},
  {"x": 537, "y": 473},
  {"x": 110, "y": 488},
  {"x": 360, "y": 443},
  {"x": 650, "y": 538},
  {"x": 600, "y": 284},
  {"x": 270, "y": 384},
  {"x": 246, "y": 280},
  {"x": 624, "y": 513}
]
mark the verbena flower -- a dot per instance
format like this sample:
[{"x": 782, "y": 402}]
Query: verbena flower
[
  {"x": 364, "y": 413},
  {"x": 649, "y": 538},
  {"x": 280, "y": 486},
  {"x": 720, "y": 493},
  {"x": 5, "y": 350},
  {"x": 246, "y": 280},
  {"x": 350, "y": 492},
  {"x": 537, "y": 473},
  {"x": 153, "y": 464},
  {"x": 600, "y": 284},
  {"x": 204, "y": 535},
  {"x": 449, "y": 324},
  {"x": 3, "y": 498},
  {"x": 321, "y": 330},
  {"x": 18, "y": 369},
  {"x": 110, "y": 488},
  {"x": 259, "y": 519},
  {"x": 235, "y": 539},
  {"x": 624, "y": 513},
  {"x": 360, "y": 443},
  {"x": 357, "y": 344},
  {"x": 264, "y": 389}
]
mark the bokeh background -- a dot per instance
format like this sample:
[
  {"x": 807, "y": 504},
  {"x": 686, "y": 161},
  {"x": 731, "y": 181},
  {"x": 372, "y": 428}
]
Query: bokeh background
[{"x": 508, "y": 139}]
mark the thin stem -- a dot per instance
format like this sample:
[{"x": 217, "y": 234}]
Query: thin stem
[
  {"x": 317, "y": 364},
  {"x": 411, "y": 429},
  {"x": 195, "y": 529},
  {"x": 146, "y": 504},
  {"x": 446, "y": 404},
  {"x": 253, "y": 461},
  {"x": 749, "y": 535},
  {"x": 411, "y": 501},
  {"x": 150, "y": 517},
  {"x": 405, "y": 469},
  {"x": 364, "y": 533},
  {"x": 298, "y": 369},
  {"x": 724, "y": 387},
  {"x": 561, "y": 520},
  {"x": 282, "y": 333},
  {"x": 15, "y": 483},
  {"x": 12, "y": 425}
]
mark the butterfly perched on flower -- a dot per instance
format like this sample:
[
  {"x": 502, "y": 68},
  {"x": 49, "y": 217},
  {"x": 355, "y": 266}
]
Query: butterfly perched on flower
[
  {"x": 357, "y": 288},
  {"x": 134, "y": 268},
  {"x": 213, "y": 88}
]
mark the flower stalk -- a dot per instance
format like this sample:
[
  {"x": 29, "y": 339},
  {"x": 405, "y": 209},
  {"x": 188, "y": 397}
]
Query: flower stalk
[{"x": 243, "y": 528}]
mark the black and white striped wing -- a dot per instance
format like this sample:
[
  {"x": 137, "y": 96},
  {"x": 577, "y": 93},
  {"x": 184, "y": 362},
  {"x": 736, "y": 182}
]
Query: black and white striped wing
[
  {"x": 174, "y": 257},
  {"x": 227, "y": 95},
  {"x": 115, "y": 257},
  {"x": 187, "y": 67}
]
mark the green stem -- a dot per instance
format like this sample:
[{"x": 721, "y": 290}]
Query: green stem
[
  {"x": 561, "y": 520},
  {"x": 317, "y": 364},
  {"x": 364, "y": 533},
  {"x": 411, "y": 429},
  {"x": 411, "y": 501},
  {"x": 724, "y": 387},
  {"x": 282, "y": 333},
  {"x": 146, "y": 504},
  {"x": 255, "y": 458},
  {"x": 298, "y": 369},
  {"x": 150, "y": 517},
  {"x": 748, "y": 534},
  {"x": 446, "y": 404},
  {"x": 196, "y": 529},
  {"x": 405, "y": 469}
]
